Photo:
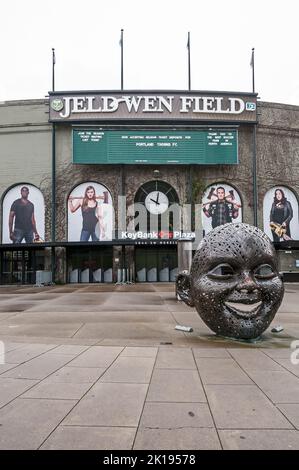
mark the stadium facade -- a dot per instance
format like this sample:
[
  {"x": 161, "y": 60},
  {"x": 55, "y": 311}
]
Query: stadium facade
[{"x": 102, "y": 186}]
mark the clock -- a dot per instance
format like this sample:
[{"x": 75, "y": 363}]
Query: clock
[{"x": 156, "y": 202}]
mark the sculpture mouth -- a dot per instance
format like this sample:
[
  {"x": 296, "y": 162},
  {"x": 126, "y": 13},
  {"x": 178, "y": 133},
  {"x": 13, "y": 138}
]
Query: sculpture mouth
[{"x": 244, "y": 310}]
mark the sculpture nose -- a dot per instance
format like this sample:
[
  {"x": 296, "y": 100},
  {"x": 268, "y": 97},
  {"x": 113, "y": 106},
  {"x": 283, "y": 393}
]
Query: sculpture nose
[{"x": 247, "y": 283}]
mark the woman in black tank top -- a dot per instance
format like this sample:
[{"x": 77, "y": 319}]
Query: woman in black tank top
[{"x": 91, "y": 215}]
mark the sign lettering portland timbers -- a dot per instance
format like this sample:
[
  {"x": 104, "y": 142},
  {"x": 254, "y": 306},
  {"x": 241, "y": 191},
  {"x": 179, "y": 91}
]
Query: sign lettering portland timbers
[{"x": 103, "y": 106}]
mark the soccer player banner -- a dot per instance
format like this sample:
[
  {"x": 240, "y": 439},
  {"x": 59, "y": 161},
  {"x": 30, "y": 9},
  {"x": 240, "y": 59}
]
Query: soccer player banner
[
  {"x": 221, "y": 204},
  {"x": 23, "y": 215}
]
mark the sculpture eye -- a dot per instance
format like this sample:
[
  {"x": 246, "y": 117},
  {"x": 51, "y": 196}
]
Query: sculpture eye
[
  {"x": 222, "y": 271},
  {"x": 264, "y": 271}
]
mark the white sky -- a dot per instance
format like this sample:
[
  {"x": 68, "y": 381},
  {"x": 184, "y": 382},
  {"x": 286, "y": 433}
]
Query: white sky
[{"x": 86, "y": 36}]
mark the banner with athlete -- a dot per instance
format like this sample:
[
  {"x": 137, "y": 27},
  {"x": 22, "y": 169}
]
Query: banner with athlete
[
  {"x": 280, "y": 213},
  {"x": 90, "y": 213},
  {"x": 221, "y": 204},
  {"x": 23, "y": 215}
]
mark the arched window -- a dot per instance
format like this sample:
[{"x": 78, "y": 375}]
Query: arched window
[
  {"x": 221, "y": 204},
  {"x": 90, "y": 213},
  {"x": 161, "y": 201},
  {"x": 23, "y": 215},
  {"x": 280, "y": 214}
]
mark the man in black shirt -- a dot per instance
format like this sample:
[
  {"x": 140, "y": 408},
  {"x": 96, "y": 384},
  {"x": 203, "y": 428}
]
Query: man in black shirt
[
  {"x": 221, "y": 209},
  {"x": 21, "y": 219}
]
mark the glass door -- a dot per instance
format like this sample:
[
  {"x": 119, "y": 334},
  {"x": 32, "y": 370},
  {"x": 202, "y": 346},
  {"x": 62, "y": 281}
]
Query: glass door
[
  {"x": 17, "y": 267},
  {"x": 156, "y": 264},
  {"x": 90, "y": 264},
  {"x": 28, "y": 262}
]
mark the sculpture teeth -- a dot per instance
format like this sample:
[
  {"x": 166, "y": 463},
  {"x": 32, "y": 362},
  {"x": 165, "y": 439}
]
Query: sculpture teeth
[{"x": 244, "y": 308}]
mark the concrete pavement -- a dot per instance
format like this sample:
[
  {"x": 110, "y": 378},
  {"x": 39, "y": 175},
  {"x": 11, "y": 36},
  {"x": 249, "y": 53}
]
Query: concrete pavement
[{"x": 102, "y": 367}]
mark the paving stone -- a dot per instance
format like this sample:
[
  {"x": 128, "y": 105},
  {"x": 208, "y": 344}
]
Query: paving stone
[
  {"x": 142, "y": 342},
  {"x": 12, "y": 346},
  {"x": 109, "y": 404},
  {"x": 27, "y": 352},
  {"x": 90, "y": 438},
  {"x": 50, "y": 340},
  {"x": 6, "y": 316},
  {"x": 176, "y": 415},
  {"x": 176, "y": 385},
  {"x": 130, "y": 370},
  {"x": 80, "y": 298},
  {"x": 177, "y": 439},
  {"x": 280, "y": 387},
  {"x": 71, "y": 308},
  {"x": 12, "y": 388},
  {"x": 290, "y": 303},
  {"x": 175, "y": 358},
  {"x": 75, "y": 375},
  {"x": 286, "y": 363},
  {"x": 183, "y": 316},
  {"x": 136, "y": 330},
  {"x": 100, "y": 288},
  {"x": 211, "y": 352},
  {"x": 119, "y": 308},
  {"x": 140, "y": 352},
  {"x": 16, "y": 307},
  {"x": 69, "y": 349},
  {"x": 134, "y": 325},
  {"x": 5, "y": 367},
  {"x": 38, "y": 368},
  {"x": 94, "y": 316},
  {"x": 25, "y": 424},
  {"x": 243, "y": 407},
  {"x": 281, "y": 353},
  {"x": 133, "y": 299},
  {"x": 251, "y": 359},
  {"x": 163, "y": 287},
  {"x": 259, "y": 440},
  {"x": 59, "y": 330},
  {"x": 291, "y": 411},
  {"x": 58, "y": 391},
  {"x": 221, "y": 371},
  {"x": 97, "y": 356},
  {"x": 63, "y": 290}
]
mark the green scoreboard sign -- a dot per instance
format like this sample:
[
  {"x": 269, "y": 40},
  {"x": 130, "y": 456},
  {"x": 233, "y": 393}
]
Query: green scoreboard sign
[{"x": 201, "y": 147}]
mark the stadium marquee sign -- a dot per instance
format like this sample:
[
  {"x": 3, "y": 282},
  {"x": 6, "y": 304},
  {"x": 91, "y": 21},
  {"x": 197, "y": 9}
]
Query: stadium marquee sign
[{"x": 184, "y": 106}]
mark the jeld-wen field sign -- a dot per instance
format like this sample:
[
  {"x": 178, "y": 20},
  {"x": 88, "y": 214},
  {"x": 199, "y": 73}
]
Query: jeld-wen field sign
[
  {"x": 175, "y": 106},
  {"x": 200, "y": 147}
]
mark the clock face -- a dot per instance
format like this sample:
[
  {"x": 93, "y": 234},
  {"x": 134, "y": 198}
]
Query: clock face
[{"x": 156, "y": 202}]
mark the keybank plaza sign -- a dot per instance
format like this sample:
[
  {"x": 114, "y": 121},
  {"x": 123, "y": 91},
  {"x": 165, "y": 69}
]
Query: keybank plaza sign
[{"x": 103, "y": 106}]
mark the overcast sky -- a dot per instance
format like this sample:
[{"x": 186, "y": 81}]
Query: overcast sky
[{"x": 86, "y": 37}]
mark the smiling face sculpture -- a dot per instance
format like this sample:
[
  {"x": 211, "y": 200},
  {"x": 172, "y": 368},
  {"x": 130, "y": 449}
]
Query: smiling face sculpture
[{"x": 234, "y": 282}]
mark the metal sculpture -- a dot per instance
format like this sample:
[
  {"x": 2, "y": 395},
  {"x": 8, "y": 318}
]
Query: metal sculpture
[{"x": 234, "y": 282}]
